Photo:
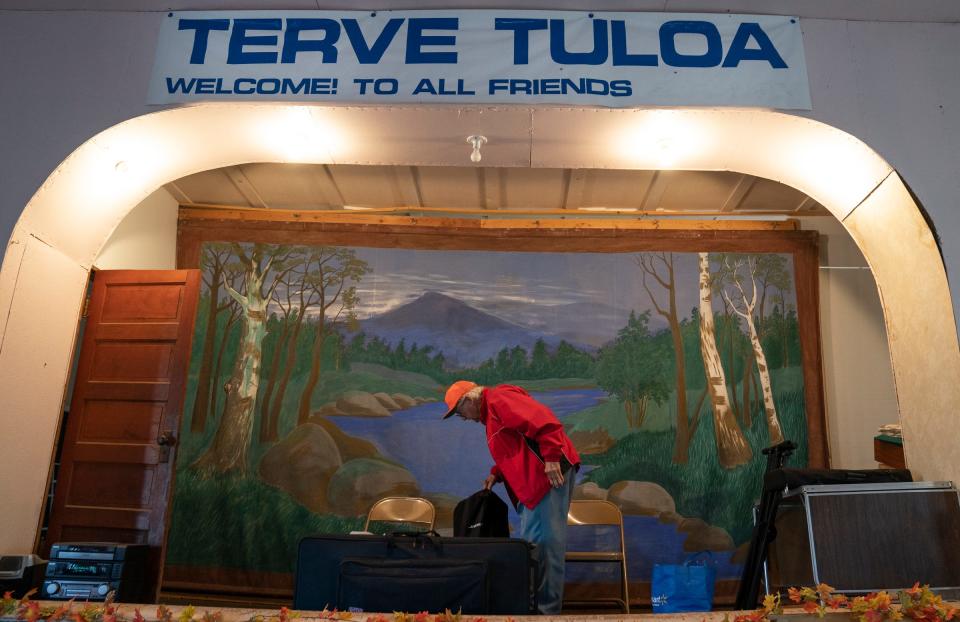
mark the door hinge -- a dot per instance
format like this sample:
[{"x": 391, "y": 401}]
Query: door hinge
[{"x": 86, "y": 307}]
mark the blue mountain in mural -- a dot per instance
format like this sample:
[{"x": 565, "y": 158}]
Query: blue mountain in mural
[{"x": 465, "y": 335}]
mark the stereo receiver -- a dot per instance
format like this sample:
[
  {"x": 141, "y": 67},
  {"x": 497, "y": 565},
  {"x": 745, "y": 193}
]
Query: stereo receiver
[{"x": 91, "y": 570}]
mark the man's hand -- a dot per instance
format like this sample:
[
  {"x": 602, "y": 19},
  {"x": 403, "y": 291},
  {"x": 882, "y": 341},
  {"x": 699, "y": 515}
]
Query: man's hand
[
  {"x": 552, "y": 469},
  {"x": 489, "y": 482}
]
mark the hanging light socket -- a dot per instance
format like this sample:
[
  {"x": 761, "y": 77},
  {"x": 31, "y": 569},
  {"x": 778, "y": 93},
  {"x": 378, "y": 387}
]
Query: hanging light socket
[{"x": 476, "y": 141}]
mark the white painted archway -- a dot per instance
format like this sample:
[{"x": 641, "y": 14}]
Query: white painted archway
[{"x": 64, "y": 226}]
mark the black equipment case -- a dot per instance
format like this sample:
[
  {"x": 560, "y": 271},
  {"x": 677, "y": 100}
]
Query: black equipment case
[
  {"x": 776, "y": 481},
  {"x": 415, "y": 572}
]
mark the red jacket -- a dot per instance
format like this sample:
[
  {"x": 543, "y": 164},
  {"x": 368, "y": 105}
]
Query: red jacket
[{"x": 512, "y": 419}]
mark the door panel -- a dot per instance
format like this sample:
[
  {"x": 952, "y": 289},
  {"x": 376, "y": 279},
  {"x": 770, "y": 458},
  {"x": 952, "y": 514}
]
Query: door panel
[
  {"x": 132, "y": 359},
  {"x": 120, "y": 420},
  {"x": 117, "y": 456},
  {"x": 137, "y": 303}
]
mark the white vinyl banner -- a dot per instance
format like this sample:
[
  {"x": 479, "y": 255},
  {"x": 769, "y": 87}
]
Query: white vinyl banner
[{"x": 481, "y": 57}]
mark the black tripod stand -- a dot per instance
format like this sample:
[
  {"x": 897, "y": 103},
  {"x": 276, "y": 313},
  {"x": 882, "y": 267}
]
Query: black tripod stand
[{"x": 764, "y": 531}]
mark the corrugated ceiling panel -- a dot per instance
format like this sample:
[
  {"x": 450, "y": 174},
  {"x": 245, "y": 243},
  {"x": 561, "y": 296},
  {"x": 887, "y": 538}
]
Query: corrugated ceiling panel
[
  {"x": 534, "y": 188},
  {"x": 367, "y": 186},
  {"x": 213, "y": 188},
  {"x": 447, "y": 186},
  {"x": 314, "y": 186},
  {"x": 614, "y": 189},
  {"x": 292, "y": 186},
  {"x": 771, "y": 195},
  {"x": 698, "y": 191}
]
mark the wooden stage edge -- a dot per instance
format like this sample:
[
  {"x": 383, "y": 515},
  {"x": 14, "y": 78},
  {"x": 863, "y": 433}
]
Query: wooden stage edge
[{"x": 231, "y": 614}]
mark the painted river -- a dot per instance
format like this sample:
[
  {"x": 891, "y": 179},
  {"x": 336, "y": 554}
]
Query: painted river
[{"x": 451, "y": 457}]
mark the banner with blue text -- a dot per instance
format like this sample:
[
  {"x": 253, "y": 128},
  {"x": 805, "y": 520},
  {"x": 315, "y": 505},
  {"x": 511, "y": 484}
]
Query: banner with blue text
[{"x": 616, "y": 60}]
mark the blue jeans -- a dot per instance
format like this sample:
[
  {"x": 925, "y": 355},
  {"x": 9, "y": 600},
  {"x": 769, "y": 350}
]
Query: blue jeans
[{"x": 546, "y": 527}]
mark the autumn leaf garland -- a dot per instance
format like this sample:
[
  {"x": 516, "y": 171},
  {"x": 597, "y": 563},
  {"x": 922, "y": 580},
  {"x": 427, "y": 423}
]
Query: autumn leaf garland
[
  {"x": 918, "y": 603},
  {"x": 31, "y": 611}
]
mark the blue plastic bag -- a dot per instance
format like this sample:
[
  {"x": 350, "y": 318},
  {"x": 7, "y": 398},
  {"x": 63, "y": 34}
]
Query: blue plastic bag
[{"x": 683, "y": 587}]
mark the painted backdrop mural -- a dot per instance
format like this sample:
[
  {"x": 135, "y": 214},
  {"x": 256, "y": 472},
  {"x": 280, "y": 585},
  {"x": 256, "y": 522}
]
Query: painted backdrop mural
[{"x": 317, "y": 378}]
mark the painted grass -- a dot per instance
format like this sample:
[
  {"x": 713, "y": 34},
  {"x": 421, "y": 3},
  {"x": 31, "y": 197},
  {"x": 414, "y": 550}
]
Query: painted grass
[{"x": 236, "y": 522}]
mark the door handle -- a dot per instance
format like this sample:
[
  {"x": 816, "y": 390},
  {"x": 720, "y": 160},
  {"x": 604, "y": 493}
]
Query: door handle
[{"x": 166, "y": 440}]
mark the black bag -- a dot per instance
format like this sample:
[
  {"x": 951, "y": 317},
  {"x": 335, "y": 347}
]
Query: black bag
[
  {"x": 483, "y": 514},
  {"x": 330, "y": 567}
]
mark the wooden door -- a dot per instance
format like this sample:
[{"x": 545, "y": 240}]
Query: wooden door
[{"x": 124, "y": 419}]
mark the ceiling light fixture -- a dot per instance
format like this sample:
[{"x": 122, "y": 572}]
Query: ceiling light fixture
[{"x": 476, "y": 141}]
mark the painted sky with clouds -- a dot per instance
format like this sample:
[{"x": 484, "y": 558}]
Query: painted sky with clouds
[{"x": 520, "y": 286}]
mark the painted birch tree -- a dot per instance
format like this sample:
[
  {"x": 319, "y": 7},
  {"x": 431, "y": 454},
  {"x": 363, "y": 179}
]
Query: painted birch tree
[
  {"x": 731, "y": 333},
  {"x": 732, "y": 447},
  {"x": 227, "y": 452},
  {"x": 768, "y": 269}
]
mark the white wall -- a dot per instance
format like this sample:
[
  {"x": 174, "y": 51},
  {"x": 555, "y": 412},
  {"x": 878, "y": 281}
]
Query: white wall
[
  {"x": 857, "y": 378},
  {"x": 146, "y": 239}
]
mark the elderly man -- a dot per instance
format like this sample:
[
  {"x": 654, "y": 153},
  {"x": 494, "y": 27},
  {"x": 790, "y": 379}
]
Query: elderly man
[{"x": 537, "y": 463}]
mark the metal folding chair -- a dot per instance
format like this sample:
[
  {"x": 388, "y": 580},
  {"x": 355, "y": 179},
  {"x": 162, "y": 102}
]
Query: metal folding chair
[
  {"x": 416, "y": 510},
  {"x": 596, "y": 512}
]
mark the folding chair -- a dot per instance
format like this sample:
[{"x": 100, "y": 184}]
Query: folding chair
[
  {"x": 415, "y": 510},
  {"x": 596, "y": 512}
]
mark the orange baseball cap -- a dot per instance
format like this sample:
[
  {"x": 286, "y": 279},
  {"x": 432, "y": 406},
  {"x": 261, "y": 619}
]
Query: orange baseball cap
[{"x": 455, "y": 393}]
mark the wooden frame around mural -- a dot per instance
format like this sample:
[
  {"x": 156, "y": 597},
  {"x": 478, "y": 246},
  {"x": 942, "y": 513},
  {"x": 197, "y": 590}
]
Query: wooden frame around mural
[{"x": 197, "y": 225}]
